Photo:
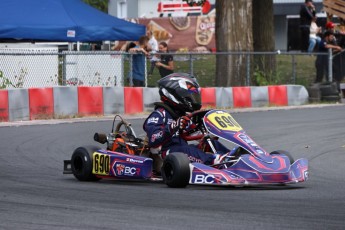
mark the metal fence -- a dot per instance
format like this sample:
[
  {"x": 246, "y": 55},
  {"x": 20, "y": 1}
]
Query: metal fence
[{"x": 107, "y": 68}]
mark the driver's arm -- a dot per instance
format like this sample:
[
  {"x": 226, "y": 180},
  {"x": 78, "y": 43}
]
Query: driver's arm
[{"x": 157, "y": 127}]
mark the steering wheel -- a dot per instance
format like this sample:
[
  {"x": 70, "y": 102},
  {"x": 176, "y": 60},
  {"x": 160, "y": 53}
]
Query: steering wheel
[{"x": 196, "y": 126}]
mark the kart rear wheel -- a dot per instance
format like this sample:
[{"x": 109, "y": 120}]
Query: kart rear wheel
[
  {"x": 81, "y": 163},
  {"x": 283, "y": 152},
  {"x": 175, "y": 170}
]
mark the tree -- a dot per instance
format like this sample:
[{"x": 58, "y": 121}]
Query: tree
[
  {"x": 263, "y": 36},
  {"x": 233, "y": 33},
  {"x": 99, "y": 4}
]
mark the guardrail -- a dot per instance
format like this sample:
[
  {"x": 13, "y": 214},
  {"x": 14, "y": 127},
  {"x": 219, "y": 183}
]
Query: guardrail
[{"x": 66, "y": 102}]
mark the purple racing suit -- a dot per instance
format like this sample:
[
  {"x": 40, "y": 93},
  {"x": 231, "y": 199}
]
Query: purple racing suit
[{"x": 157, "y": 127}]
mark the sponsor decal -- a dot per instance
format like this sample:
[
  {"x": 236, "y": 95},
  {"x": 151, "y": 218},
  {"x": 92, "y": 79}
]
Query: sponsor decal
[
  {"x": 71, "y": 33},
  {"x": 203, "y": 179},
  {"x": 134, "y": 160},
  {"x": 125, "y": 170},
  {"x": 120, "y": 169},
  {"x": 251, "y": 143},
  {"x": 156, "y": 136},
  {"x": 193, "y": 159},
  {"x": 153, "y": 120}
]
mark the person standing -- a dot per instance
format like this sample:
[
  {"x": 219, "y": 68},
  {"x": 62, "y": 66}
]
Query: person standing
[
  {"x": 153, "y": 46},
  {"x": 306, "y": 17},
  {"x": 166, "y": 64},
  {"x": 139, "y": 54},
  {"x": 321, "y": 62}
]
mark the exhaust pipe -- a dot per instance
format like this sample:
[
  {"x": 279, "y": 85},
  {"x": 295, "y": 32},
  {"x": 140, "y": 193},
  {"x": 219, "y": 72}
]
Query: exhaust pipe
[{"x": 100, "y": 138}]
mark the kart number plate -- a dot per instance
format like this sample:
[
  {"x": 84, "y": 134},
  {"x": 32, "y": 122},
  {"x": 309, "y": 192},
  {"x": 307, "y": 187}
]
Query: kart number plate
[
  {"x": 224, "y": 121},
  {"x": 101, "y": 164}
]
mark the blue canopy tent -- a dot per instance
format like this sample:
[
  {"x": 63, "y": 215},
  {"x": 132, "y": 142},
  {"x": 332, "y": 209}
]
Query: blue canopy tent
[{"x": 62, "y": 20}]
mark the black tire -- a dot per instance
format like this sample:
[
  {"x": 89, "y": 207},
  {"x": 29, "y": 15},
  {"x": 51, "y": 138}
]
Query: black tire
[
  {"x": 283, "y": 152},
  {"x": 81, "y": 163},
  {"x": 175, "y": 170},
  {"x": 328, "y": 89},
  {"x": 331, "y": 98},
  {"x": 314, "y": 100},
  {"x": 314, "y": 92}
]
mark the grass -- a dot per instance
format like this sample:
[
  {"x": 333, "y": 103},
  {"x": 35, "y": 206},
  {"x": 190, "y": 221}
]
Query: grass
[
  {"x": 304, "y": 66},
  {"x": 298, "y": 69}
]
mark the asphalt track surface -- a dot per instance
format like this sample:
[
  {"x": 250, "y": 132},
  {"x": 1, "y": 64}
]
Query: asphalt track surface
[{"x": 34, "y": 194}]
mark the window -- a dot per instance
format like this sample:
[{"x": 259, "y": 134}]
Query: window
[{"x": 122, "y": 9}]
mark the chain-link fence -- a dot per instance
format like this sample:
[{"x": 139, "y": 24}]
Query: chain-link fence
[
  {"x": 107, "y": 68},
  {"x": 28, "y": 69}
]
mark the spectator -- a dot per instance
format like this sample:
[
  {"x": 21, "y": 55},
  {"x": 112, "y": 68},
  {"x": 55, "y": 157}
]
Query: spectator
[
  {"x": 331, "y": 27},
  {"x": 129, "y": 46},
  {"x": 153, "y": 47},
  {"x": 321, "y": 62},
  {"x": 139, "y": 61},
  {"x": 338, "y": 34},
  {"x": 338, "y": 59},
  {"x": 166, "y": 63},
  {"x": 341, "y": 43},
  {"x": 306, "y": 16},
  {"x": 314, "y": 39}
]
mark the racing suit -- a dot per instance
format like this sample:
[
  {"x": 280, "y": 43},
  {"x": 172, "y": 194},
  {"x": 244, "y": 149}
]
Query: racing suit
[{"x": 163, "y": 140}]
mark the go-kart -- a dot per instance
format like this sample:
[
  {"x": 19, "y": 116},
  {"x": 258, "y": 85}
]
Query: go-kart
[{"x": 128, "y": 157}]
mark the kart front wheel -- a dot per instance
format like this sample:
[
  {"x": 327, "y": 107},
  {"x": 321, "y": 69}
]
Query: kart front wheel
[
  {"x": 286, "y": 153},
  {"x": 175, "y": 170},
  {"x": 81, "y": 163}
]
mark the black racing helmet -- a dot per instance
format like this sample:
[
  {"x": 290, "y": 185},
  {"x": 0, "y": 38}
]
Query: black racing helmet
[{"x": 181, "y": 91}]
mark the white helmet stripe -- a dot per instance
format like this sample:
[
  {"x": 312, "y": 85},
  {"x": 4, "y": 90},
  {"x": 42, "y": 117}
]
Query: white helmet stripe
[{"x": 170, "y": 96}]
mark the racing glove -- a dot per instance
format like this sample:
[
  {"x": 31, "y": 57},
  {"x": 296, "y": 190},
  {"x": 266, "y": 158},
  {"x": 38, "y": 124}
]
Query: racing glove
[{"x": 182, "y": 123}]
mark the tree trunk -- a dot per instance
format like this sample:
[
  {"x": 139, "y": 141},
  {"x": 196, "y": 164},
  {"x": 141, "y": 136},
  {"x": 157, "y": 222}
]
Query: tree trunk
[
  {"x": 233, "y": 33},
  {"x": 263, "y": 36}
]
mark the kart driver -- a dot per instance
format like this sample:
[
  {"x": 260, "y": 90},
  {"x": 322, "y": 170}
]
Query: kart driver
[{"x": 180, "y": 94}]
